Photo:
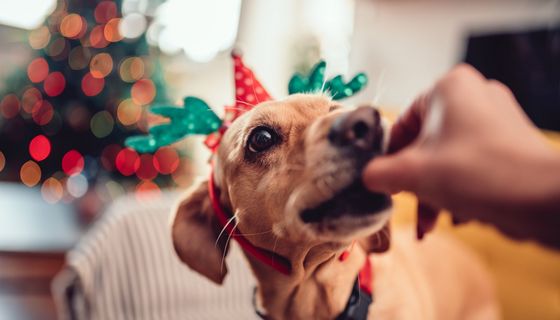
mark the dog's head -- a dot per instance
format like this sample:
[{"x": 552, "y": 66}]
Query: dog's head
[{"x": 290, "y": 172}]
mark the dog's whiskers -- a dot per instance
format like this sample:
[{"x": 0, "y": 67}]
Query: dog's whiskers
[
  {"x": 225, "y": 247},
  {"x": 224, "y": 229}
]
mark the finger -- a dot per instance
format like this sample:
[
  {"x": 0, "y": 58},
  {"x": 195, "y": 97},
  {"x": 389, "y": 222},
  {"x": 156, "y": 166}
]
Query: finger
[
  {"x": 393, "y": 173},
  {"x": 409, "y": 124},
  {"x": 427, "y": 217}
]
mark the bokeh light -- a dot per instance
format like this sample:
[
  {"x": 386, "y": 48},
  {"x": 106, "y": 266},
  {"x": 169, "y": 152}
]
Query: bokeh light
[
  {"x": 127, "y": 162},
  {"x": 147, "y": 190},
  {"x": 102, "y": 124},
  {"x": 92, "y": 86},
  {"x": 143, "y": 91},
  {"x": 30, "y": 98},
  {"x": 111, "y": 30},
  {"x": 166, "y": 160},
  {"x": 30, "y": 173},
  {"x": 77, "y": 185},
  {"x": 37, "y": 70},
  {"x": 39, "y": 38},
  {"x": 131, "y": 69},
  {"x": 39, "y": 148},
  {"x": 72, "y": 26},
  {"x": 146, "y": 171},
  {"x": 9, "y": 106},
  {"x": 2, "y": 161},
  {"x": 97, "y": 38},
  {"x": 184, "y": 175},
  {"x": 128, "y": 112},
  {"x": 133, "y": 25},
  {"x": 72, "y": 162},
  {"x": 54, "y": 84},
  {"x": 101, "y": 65},
  {"x": 108, "y": 156},
  {"x": 52, "y": 190},
  {"x": 42, "y": 113},
  {"x": 79, "y": 58},
  {"x": 105, "y": 11},
  {"x": 58, "y": 49}
]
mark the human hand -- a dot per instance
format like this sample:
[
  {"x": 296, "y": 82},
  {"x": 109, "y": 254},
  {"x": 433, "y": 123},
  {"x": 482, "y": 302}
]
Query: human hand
[{"x": 467, "y": 146}]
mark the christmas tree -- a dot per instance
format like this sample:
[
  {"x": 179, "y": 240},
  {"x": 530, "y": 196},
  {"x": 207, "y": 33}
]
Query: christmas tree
[{"x": 63, "y": 120}]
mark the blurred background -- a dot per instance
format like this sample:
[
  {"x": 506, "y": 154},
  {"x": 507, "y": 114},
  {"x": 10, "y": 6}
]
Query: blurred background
[{"x": 77, "y": 78}]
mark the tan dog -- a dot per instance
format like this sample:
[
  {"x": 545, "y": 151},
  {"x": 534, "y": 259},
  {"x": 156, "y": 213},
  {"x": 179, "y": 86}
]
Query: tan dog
[{"x": 290, "y": 172}]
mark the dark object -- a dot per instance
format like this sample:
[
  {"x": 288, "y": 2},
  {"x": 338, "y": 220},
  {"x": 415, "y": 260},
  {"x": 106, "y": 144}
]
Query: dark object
[
  {"x": 357, "y": 305},
  {"x": 529, "y": 64}
]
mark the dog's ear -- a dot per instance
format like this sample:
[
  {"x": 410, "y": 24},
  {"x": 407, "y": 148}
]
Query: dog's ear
[
  {"x": 195, "y": 230},
  {"x": 377, "y": 242}
]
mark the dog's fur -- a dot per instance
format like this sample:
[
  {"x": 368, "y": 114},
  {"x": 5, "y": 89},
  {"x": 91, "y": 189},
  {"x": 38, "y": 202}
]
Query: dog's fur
[{"x": 267, "y": 192}]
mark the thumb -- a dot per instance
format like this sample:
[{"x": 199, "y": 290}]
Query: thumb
[{"x": 393, "y": 173}]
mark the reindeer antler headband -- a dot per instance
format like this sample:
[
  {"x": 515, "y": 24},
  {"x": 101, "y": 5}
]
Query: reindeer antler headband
[{"x": 196, "y": 117}]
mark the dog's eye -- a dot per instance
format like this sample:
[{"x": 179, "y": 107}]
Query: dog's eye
[{"x": 261, "y": 139}]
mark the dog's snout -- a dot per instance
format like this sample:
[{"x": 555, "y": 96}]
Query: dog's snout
[{"x": 359, "y": 129}]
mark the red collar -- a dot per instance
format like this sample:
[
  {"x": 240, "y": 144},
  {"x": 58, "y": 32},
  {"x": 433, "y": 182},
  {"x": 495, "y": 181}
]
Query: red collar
[{"x": 275, "y": 261}]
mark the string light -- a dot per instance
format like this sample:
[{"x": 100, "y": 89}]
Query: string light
[
  {"x": 79, "y": 58},
  {"x": 30, "y": 173},
  {"x": 166, "y": 160},
  {"x": 92, "y": 86},
  {"x": 105, "y": 11},
  {"x": 147, "y": 190},
  {"x": 72, "y": 25},
  {"x": 72, "y": 162},
  {"x": 52, "y": 190},
  {"x": 2, "y": 161},
  {"x": 39, "y": 38},
  {"x": 9, "y": 106},
  {"x": 127, "y": 162},
  {"x": 77, "y": 185},
  {"x": 143, "y": 91},
  {"x": 54, "y": 84},
  {"x": 146, "y": 170},
  {"x": 40, "y": 148},
  {"x": 108, "y": 156},
  {"x": 102, "y": 124},
  {"x": 97, "y": 37},
  {"x": 42, "y": 113},
  {"x": 56, "y": 48},
  {"x": 37, "y": 70},
  {"x": 128, "y": 112},
  {"x": 111, "y": 30},
  {"x": 131, "y": 69},
  {"x": 30, "y": 98},
  {"x": 101, "y": 65}
]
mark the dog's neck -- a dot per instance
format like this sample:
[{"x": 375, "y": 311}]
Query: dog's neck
[{"x": 318, "y": 287}]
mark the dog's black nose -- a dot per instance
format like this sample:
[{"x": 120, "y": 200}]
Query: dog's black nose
[{"x": 359, "y": 129}]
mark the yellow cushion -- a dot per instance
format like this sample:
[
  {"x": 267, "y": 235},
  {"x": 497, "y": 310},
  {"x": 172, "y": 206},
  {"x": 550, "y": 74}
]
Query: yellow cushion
[{"x": 527, "y": 276}]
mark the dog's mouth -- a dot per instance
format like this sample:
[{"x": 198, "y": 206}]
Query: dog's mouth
[{"x": 354, "y": 201}]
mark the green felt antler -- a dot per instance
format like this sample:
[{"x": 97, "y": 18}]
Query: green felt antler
[
  {"x": 316, "y": 82},
  {"x": 195, "y": 117}
]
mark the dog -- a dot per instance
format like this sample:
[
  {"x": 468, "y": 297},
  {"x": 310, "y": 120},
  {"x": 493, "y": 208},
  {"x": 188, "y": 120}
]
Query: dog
[{"x": 289, "y": 172}]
